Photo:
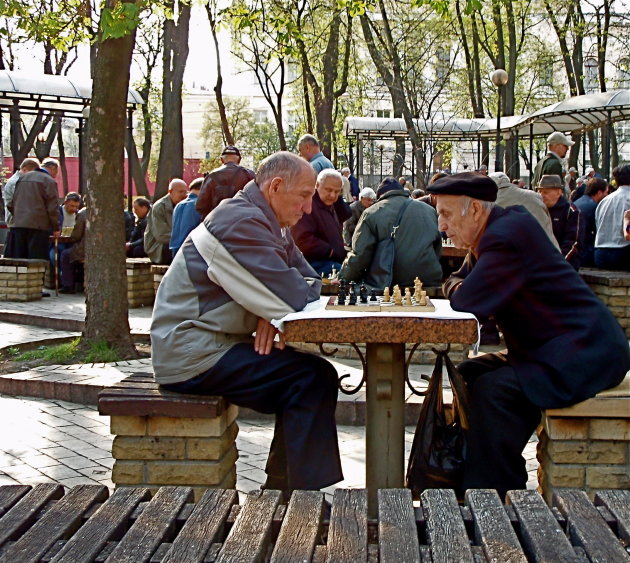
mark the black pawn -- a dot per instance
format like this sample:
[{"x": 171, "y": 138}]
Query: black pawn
[
  {"x": 363, "y": 293},
  {"x": 373, "y": 295}
]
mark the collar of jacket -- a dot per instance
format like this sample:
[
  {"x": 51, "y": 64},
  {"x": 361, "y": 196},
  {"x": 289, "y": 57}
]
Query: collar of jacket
[
  {"x": 394, "y": 193},
  {"x": 317, "y": 201},
  {"x": 251, "y": 192}
]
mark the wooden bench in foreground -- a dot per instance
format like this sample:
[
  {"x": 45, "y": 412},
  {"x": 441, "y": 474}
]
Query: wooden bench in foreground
[
  {"x": 166, "y": 438},
  {"x": 82, "y": 524}
]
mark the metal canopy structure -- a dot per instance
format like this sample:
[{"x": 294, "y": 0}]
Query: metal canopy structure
[
  {"x": 50, "y": 93},
  {"x": 576, "y": 114}
]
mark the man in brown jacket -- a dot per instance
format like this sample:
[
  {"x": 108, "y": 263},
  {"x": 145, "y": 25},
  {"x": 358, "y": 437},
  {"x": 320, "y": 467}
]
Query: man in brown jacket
[{"x": 35, "y": 212}]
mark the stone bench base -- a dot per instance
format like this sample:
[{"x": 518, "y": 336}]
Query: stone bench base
[
  {"x": 155, "y": 445},
  {"x": 613, "y": 288},
  {"x": 21, "y": 279},
  {"x": 139, "y": 282},
  {"x": 586, "y": 446},
  {"x": 158, "y": 271}
]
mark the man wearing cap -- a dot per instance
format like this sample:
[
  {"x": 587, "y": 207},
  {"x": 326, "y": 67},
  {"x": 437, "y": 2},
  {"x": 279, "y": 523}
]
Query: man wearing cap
[
  {"x": 319, "y": 234},
  {"x": 418, "y": 243},
  {"x": 568, "y": 226},
  {"x": 571, "y": 181},
  {"x": 563, "y": 344},
  {"x": 223, "y": 182},
  {"x": 558, "y": 145},
  {"x": 366, "y": 198},
  {"x": 309, "y": 149}
]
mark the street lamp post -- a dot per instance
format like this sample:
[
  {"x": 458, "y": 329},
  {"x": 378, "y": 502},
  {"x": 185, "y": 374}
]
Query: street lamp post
[
  {"x": 499, "y": 78},
  {"x": 381, "y": 148}
]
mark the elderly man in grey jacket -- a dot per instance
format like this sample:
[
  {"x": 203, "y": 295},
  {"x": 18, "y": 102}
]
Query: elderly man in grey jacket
[{"x": 234, "y": 273}]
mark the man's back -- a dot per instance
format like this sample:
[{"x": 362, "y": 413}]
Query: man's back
[
  {"x": 185, "y": 219},
  {"x": 222, "y": 183},
  {"x": 550, "y": 164},
  {"x": 158, "y": 229},
  {"x": 35, "y": 202}
]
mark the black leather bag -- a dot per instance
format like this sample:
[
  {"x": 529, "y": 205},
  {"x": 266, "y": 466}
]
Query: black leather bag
[
  {"x": 379, "y": 274},
  {"x": 439, "y": 445}
]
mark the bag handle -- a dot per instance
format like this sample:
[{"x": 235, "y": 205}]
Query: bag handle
[
  {"x": 458, "y": 386},
  {"x": 399, "y": 219}
]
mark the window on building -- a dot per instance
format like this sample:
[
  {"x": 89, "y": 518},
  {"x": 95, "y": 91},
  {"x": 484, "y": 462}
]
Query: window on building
[
  {"x": 383, "y": 113},
  {"x": 545, "y": 79},
  {"x": 260, "y": 116},
  {"x": 443, "y": 63},
  {"x": 623, "y": 74},
  {"x": 590, "y": 75},
  {"x": 293, "y": 71}
]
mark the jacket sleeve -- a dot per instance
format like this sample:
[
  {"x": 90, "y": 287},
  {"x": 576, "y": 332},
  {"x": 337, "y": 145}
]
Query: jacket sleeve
[
  {"x": 78, "y": 232},
  {"x": 342, "y": 209},
  {"x": 161, "y": 225},
  {"x": 573, "y": 236},
  {"x": 360, "y": 257},
  {"x": 313, "y": 247},
  {"x": 51, "y": 205}
]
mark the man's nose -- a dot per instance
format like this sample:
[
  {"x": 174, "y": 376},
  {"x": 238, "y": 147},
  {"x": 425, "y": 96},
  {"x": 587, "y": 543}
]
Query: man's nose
[{"x": 308, "y": 206}]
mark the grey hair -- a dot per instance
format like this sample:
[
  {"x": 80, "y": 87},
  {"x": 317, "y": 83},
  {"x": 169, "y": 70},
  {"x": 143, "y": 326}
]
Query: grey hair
[
  {"x": 73, "y": 196},
  {"x": 329, "y": 173},
  {"x": 345, "y": 169},
  {"x": 308, "y": 140},
  {"x": 282, "y": 164},
  {"x": 486, "y": 205},
  {"x": 50, "y": 163}
]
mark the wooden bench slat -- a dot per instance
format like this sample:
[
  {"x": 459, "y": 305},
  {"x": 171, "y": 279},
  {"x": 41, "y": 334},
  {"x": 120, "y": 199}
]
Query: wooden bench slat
[
  {"x": 446, "y": 532},
  {"x": 202, "y": 528},
  {"x": 18, "y": 519},
  {"x": 61, "y": 521},
  {"x": 109, "y": 521},
  {"x": 10, "y": 494},
  {"x": 618, "y": 502},
  {"x": 348, "y": 531},
  {"x": 587, "y": 528},
  {"x": 155, "y": 525},
  {"x": 300, "y": 528},
  {"x": 254, "y": 522},
  {"x": 493, "y": 529},
  {"x": 397, "y": 531},
  {"x": 541, "y": 535}
]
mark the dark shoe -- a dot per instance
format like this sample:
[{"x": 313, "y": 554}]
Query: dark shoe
[
  {"x": 45, "y": 294},
  {"x": 66, "y": 290}
]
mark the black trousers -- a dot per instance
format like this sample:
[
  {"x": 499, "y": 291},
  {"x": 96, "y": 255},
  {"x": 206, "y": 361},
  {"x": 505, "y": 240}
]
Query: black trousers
[
  {"x": 27, "y": 243},
  {"x": 502, "y": 420},
  {"x": 301, "y": 389}
]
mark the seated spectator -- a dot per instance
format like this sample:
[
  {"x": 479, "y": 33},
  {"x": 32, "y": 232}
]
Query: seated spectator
[
  {"x": 612, "y": 248},
  {"x": 135, "y": 247},
  {"x": 417, "y": 241},
  {"x": 596, "y": 190},
  {"x": 565, "y": 218},
  {"x": 75, "y": 255},
  {"x": 402, "y": 181},
  {"x": 366, "y": 198},
  {"x": 417, "y": 193},
  {"x": 185, "y": 216},
  {"x": 223, "y": 182},
  {"x": 130, "y": 222},
  {"x": 318, "y": 234},
  {"x": 67, "y": 217},
  {"x": 157, "y": 234}
]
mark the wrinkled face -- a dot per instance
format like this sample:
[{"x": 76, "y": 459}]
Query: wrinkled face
[
  {"x": 367, "y": 201},
  {"x": 550, "y": 196},
  {"x": 177, "y": 190},
  {"x": 560, "y": 149},
  {"x": 463, "y": 230},
  {"x": 140, "y": 210},
  {"x": 329, "y": 190},
  {"x": 71, "y": 207},
  {"x": 290, "y": 202}
]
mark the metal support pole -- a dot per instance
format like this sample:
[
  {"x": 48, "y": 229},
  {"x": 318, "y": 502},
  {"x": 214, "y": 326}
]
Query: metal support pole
[
  {"x": 129, "y": 171},
  {"x": 478, "y": 163},
  {"x": 498, "y": 165},
  {"x": 583, "y": 152},
  {"x": 608, "y": 143},
  {"x": 81, "y": 155},
  {"x": 531, "y": 155},
  {"x": 351, "y": 157}
]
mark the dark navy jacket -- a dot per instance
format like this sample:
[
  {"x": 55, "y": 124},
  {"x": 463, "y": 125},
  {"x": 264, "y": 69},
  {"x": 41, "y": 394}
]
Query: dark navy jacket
[
  {"x": 568, "y": 228},
  {"x": 587, "y": 206},
  {"x": 563, "y": 343}
]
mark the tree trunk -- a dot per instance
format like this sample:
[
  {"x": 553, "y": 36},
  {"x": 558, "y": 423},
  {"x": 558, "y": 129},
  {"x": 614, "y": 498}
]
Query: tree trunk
[
  {"x": 106, "y": 317},
  {"x": 136, "y": 168},
  {"x": 171, "y": 159}
]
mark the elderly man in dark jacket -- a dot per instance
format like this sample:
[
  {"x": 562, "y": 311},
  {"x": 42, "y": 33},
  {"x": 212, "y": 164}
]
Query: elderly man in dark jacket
[
  {"x": 318, "y": 235},
  {"x": 74, "y": 255},
  {"x": 563, "y": 344},
  {"x": 417, "y": 244}
]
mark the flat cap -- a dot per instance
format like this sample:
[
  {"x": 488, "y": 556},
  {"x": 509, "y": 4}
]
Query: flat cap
[
  {"x": 387, "y": 185},
  {"x": 550, "y": 181},
  {"x": 471, "y": 184},
  {"x": 231, "y": 149},
  {"x": 557, "y": 138}
]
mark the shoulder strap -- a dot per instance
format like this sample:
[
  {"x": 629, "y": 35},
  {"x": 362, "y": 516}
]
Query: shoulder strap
[{"x": 400, "y": 216}]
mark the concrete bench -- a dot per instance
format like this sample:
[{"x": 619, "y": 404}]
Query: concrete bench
[
  {"x": 84, "y": 523},
  {"x": 139, "y": 282},
  {"x": 166, "y": 438},
  {"x": 157, "y": 271},
  {"x": 587, "y": 445},
  {"x": 21, "y": 279},
  {"x": 613, "y": 288}
]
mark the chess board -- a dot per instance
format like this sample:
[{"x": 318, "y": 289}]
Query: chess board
[{"x": 379, "y": 306}]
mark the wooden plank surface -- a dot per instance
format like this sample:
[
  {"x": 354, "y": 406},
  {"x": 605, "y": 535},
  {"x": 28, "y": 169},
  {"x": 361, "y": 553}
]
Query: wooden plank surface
[
  {"x": 10, "y": 494},
  {"x": 397, "y": 531},
  {"x": 155, "y": 525},
  {"x": 618, "y": 503},
  {"x": 587, "y": 528},
  {"x": 493, "y": 530},
  {"x": 60, "y": 522},
  {"x": 446, "y": 532},
  {"x": 19, "y": 518},
  {"x": 348, "y": 531},
  {"x": 300, "y": 528},
  {"x": 109, "y": 521},
  {"x": 254, "y": 522},
  {"x": 202, "y": 528},
  {"x": 541, "y": 536}
]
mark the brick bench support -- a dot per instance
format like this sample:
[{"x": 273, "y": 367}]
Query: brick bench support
[
  {"x": 586, "y": 446},
  {"x": 139, "y": 282},
  {"x": 21, "y": 279},
  {"x": 157, "y": 271},
  {"x": 613, "y": 288},
  {"x": 165, "y": 438}
]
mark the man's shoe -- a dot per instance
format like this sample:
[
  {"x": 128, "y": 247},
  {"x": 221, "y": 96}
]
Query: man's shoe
[
  {"x": 45, "y": 294},
  {"x": 66, "y": 290}
]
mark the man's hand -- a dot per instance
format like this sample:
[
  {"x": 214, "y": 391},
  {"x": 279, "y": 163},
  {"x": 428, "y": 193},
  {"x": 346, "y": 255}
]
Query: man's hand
[
  {"x": 56, "y": 234},
  {"x": 265, "y": 335}
]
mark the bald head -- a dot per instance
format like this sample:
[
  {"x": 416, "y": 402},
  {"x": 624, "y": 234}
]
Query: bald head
[{"x": 177, "y": 190}]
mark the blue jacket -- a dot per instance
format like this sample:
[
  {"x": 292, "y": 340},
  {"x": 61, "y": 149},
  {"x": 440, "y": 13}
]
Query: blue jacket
[
  {"x": 563, "y": 343},
  {"x": 319, "y": 162},
  {"x": 185, "y": 219}
]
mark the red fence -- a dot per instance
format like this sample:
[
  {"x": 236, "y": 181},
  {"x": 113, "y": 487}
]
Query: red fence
[{"x": 191, "y": 171}]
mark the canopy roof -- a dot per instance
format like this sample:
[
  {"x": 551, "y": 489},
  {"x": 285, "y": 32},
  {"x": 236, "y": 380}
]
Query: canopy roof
[
  {"x": 579, "y": 113},
  {"x": 50, "y": 93}
]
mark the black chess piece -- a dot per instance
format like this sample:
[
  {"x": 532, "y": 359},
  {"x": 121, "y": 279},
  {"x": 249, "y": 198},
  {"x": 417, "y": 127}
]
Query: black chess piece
[
  {"x": 353, "y": 296},
  {"x": 363, "y": 293},
  {"x": 341, "y": 297},
  {"x": 373, "y": 295}
]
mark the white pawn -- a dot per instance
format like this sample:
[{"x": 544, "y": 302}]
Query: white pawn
[{"x": 386, "y": 298}]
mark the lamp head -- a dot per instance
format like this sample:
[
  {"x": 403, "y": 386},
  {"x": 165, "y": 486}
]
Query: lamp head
[{"x": 499, "y": 77}]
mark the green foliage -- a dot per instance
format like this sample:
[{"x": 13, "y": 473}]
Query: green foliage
[
  {"x": 101, "y": 351},
  {"x": 119, "y": 21},
  {"x": 59, "y": 353}
]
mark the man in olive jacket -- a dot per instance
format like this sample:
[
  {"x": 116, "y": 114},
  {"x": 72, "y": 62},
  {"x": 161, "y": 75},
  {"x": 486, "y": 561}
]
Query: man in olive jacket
[{"x": 418, "y": 244}]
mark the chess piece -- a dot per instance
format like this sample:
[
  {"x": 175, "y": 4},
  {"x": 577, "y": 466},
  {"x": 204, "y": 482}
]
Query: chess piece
[
  {"x": 353, "y": 298},
  {"x": 397, "y": 296},
  {"x": 363, "y": 293},
  {"x": 333, "y": 274},
  {"x": 373, "y": 296},
  {"x": 386, "y": 297},
  {"x": 423, "y": 298},
  {"x": 408, "y": 297},
  {"x": 341, "y": 297}
]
